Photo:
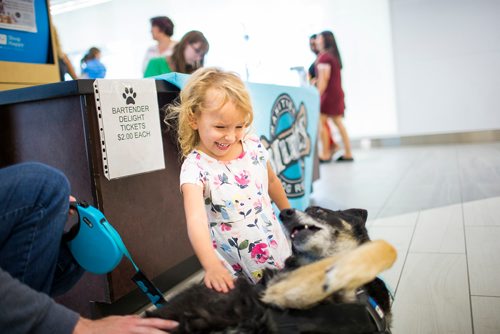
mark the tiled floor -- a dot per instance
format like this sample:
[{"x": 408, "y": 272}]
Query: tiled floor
[{"x": 440, "y": 207}]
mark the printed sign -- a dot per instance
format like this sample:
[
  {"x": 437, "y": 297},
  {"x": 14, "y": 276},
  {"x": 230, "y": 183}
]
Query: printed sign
[
  {"x": 129, "y": 121},
  {"x": 25, "y": 32},
  {"x": 18, "y": 15}
]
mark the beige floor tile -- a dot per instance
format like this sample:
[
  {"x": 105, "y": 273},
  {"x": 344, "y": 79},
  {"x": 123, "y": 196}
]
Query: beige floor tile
[
  {"x": 484, "y": 212},
  {"x": 439, "y": 230},
  {"x": 408, "y": 219},
  {"x": 433, "y": 296},
  {"x": 400, "y": 238},
  {"x": 486, "y": 311},
  {"x": 483, "y": 256}
]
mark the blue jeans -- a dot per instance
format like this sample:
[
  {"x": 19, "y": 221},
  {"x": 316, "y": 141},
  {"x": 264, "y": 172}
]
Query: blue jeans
[{"x": 34, "y": 203}]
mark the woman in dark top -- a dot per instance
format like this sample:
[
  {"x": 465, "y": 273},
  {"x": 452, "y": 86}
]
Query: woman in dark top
[{"x": 329, "y": 84}]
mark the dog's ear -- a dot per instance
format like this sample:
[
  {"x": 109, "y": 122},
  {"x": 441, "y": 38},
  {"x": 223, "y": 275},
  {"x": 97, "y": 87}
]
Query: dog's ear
[{"x": 360, "y": 213}]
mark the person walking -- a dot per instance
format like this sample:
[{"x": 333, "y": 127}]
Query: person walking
[{"x": 329, "y": 84}]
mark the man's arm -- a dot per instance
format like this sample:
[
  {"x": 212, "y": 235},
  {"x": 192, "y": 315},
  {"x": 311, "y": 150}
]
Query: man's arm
[{"x": 24, "y": 310}]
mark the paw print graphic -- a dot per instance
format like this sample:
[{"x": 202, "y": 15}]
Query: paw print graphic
[{"x": 129, "y": 95}]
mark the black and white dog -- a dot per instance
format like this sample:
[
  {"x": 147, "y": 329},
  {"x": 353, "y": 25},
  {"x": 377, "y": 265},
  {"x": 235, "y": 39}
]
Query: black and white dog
[{"x": 329, "y": 284}]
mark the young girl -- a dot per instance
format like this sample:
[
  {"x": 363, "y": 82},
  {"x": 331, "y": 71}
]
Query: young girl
[{"x": 227, "y": 182}]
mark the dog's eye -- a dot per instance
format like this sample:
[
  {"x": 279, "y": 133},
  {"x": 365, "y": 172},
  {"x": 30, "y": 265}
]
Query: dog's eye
[
  {"x": 316, "y": 211},
  {"x": 321, "y": 214}
]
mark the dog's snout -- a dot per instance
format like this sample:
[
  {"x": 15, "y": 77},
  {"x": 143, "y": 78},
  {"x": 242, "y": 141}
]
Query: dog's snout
[{"x": 287, "y": 213}]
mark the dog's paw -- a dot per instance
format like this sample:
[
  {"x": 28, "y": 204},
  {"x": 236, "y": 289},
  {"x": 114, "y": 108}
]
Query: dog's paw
[
  {"x": 285, "y": 296},
  {"x": 300, "y": 288},
  {"x": 359, "y": 266}
]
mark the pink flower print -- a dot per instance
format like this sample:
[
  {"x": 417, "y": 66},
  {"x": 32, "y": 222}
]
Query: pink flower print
[
  {"x": 237, "y": 267},
  {"x": 214, "y": 244},
  {"x": 254, "y": 158},
  {"x": 273, "y": 243},
  {"x": 217, "y": 182},
  {"x": 259, "y": 187},
  {"x": 242, "y": 179},
  {"x": 259, "y": 253},
  {"x": 257, "y": 205},
  {"x": 225, "y": 227}
]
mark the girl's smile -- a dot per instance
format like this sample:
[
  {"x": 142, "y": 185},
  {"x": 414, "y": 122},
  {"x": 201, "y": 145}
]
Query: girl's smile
[{"x": 222, "y": 147}]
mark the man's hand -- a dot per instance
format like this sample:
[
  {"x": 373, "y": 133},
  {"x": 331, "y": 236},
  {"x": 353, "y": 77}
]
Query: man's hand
[
  {"x": 71, "y": 210},
  {"x": 130, "y": 324}
]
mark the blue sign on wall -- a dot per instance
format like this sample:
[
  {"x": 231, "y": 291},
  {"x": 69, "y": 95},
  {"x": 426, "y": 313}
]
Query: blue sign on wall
[
  {"x": 286, "y": 119},
  {"x": 28, "y": 46}
]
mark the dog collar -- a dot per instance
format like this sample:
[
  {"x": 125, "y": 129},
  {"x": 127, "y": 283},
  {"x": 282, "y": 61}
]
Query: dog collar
[{"x": 374, "y": 310}]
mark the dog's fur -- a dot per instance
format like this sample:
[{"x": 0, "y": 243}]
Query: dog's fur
[{"x": 332, "y": 258}]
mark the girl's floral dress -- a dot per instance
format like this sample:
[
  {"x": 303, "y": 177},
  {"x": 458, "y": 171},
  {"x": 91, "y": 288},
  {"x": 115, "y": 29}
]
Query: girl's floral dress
[{"x": 244, "y": 229}]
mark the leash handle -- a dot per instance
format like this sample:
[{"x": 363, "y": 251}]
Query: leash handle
[{"x": 140, "y": 279}]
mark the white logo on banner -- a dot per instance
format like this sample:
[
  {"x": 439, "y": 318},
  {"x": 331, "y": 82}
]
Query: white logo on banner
[{"x": 129, "y": 122}]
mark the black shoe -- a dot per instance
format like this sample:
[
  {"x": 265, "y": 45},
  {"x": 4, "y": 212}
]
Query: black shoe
[
  {"x": 344, "y": 159},
  {"x": 324, "y": 161}
]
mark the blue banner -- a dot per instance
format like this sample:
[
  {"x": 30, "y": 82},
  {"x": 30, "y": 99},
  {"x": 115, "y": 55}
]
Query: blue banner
[
  {"x": 28, "y": 46},
  {"x": 286, "y": 119}
]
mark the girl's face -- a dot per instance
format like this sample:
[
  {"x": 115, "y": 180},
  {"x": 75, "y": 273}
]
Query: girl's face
[
  {"x": 193, "y": 53},
  {"x": 221, "y": 129},
  {"x": 320, "y": 42}
]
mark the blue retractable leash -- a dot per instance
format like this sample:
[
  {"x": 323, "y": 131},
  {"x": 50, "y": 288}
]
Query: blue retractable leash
[{"x": 98, "y": 248}]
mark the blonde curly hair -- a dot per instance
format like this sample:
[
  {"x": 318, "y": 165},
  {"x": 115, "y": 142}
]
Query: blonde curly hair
[{"x": 227, "y": 85}]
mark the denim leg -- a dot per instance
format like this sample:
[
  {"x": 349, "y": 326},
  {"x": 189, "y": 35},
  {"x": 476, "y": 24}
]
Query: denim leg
[
  {"x": 67, "y": 273},
  {"x": 33, "y": 211}
]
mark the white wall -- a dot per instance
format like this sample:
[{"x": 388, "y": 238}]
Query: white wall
[
  {"x": 278, "y": 33},
  {"x": 447, "y": 63}
]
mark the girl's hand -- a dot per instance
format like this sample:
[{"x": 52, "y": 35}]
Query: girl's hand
[{"x": 219, "y": 279}]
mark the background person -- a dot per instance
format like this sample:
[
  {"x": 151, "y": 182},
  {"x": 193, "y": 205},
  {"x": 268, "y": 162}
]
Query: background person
[
  {"x": 92, "y": 67},
  {"x": 329, "y": 84},
  {"x": 65, "y": 65},
  {"x": 311, "y": 76},
  {"x": 188, "y": 56},
  {"x": 311, "y": 72},
  {"x": 162, "y": 29},
  {"x": 35, "y": 263}
]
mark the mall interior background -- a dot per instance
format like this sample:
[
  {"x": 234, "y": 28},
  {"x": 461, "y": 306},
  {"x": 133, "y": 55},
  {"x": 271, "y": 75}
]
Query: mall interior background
[{"x": 410, "y": 67}]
